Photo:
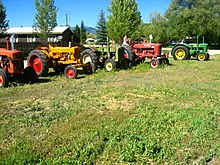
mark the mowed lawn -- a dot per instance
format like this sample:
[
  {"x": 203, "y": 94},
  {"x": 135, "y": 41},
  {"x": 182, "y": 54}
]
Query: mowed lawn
[{"x": 169, "y": 115}]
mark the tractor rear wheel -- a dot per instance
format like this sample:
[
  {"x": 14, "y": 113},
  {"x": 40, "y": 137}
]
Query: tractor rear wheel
[
  {"x": 38, "y": 60},
  {"x": 201, "y": 56},
  {"x": 88, "y": 55},
  {"x": 109, "y": 65},
  {"x": 128, "y": 53},
  {"x": 3, "y": 79},
  {"x": 30, "y": 75},
  {"x": 70, "y": 72},
  {"x": 154, "y": 63},
  {"x": 180, "y": 52},
  {"x": 90, "y": 69}
]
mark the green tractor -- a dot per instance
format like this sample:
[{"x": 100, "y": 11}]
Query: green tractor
[
  {"x": 185, "y": 51},
  {"x": 111, "y": 56}
]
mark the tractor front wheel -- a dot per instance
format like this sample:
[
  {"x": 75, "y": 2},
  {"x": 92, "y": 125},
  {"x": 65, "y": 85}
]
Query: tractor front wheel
[
  {"x": 3, "y": 79},
  {"x": 165, "y": 61},
  {"x": 109, "y": 65},
  {"x": 154, "y": 63},
  {"x": 70, "y": 72},
  {"x": 202, "y": 56},
  {"x": 180, "y": 52},
  {"x": 90, "y": 69},
  {"x": 38, "y": 60},
  {"x": 30, "y": 75}
]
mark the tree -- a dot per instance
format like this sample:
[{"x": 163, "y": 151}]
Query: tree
[
  {"x": 3, "y": 21},
  {"x": 101, "y": 29},
  {"x": 124, "y": 19},
  {"x": 45, "y": 19},
  {"x": 193, "y": 17},
  {"x": 82, "y": 33},
  {"x": 157, "y": 27},
  {"x": 76, "y": 34}
]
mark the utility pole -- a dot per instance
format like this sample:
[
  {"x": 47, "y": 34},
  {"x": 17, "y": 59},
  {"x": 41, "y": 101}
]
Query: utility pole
[{"x": 68, "y": 14}]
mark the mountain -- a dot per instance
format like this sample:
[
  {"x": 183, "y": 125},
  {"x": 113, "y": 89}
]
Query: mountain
[{"x": 90, "y": 29}]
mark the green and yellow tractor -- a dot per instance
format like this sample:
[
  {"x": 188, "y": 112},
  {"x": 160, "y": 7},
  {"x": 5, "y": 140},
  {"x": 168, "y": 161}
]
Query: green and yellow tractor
[{"x": 184, "y": 51}]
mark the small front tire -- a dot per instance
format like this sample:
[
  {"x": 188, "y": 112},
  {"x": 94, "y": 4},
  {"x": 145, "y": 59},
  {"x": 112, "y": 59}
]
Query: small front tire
[
  {"x": 109, "y": 65},
  {"x": 154, "y": 63},
  {"x": 70, "y": 72}
]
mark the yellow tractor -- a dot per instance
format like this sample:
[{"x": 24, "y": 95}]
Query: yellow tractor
[{"x": 67, "y": 59}]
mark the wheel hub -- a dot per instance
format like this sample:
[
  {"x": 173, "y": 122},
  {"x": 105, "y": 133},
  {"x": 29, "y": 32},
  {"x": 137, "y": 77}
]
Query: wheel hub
[
  {"x": 109, "y": 66},
  {"x": 37, "y": 65},
  {"x": 70, "y": 73},
  {"x": 180, "y": 53}
]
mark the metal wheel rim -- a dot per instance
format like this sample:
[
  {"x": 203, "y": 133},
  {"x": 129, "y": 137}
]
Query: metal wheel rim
[
  {"x": 70, "y": 73},
  {"x": 37, "y": 65},
  {"x": 201, "y": 57},
  {"x": 109, "y": 66},
  {"x": 180, "y": 53},
  {"x": 154, "y": 64},
  {"x": 86, "y": 59}
]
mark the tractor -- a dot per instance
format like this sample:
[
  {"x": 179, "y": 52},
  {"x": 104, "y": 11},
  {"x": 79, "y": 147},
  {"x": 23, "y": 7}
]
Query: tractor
[
  {"x": 184, "y": 51},
  {"x": 150, "y": 51},
  {"x": 12, "y": 65},
  {"x": 61, "y": 59},
  {"x": 112, "y": 56}
]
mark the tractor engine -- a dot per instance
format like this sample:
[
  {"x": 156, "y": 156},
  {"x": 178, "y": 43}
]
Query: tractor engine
[{"x": 147, "y": 49}]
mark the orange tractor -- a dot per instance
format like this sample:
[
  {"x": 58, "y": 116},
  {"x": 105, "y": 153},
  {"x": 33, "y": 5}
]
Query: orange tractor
[
  {"x": 12, "y": 65},
  {"x": 65, "y": 59}
]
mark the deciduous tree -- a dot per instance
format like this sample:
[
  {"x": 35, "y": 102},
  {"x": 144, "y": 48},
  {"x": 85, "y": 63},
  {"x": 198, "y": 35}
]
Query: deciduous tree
[
  {"x": 46, "y": 17},
  {"x": 124, "y": 19}
]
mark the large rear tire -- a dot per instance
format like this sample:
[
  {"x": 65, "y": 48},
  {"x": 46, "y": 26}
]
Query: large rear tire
[
  {"x": 38, "y": 60},
  {"x": 88, "y": 55},
  {"x": 3, "y": 79},
  {"x": 129, "y": 53},
  {"x": 180, "y": 52}
]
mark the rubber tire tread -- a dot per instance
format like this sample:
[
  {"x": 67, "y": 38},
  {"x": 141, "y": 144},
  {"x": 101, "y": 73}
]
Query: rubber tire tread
[
  {"x": 92, "y": 55},
  {"x": 5, "y": 78},
  {"x": 44, "y": 61},
  {"x": 180, "y": 47}
]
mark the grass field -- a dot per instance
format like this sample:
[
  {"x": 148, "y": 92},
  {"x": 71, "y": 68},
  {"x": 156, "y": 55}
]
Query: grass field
[{"x": 169, "y": 115}]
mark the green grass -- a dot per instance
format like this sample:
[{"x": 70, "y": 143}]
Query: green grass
[{"x": 138, "y": 116}]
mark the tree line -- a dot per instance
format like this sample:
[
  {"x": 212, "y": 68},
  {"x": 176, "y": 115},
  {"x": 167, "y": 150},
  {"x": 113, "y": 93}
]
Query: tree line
[{"x": 183, "y": 18}]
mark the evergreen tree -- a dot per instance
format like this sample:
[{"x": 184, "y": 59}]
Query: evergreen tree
[
  {"x": 76, "y": 34},
  {"x": 3, "y": 21},
  {"x": 82, "y": 33},
  {"x": 45, "y": 19},
  {"x": 101, "y": 29},
  {"x": 124, "y": 19}
]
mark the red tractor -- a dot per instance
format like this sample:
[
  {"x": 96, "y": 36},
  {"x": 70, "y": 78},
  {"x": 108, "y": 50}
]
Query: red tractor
[
  {"x": 150, "y": 51},
  {"x": 12, "y": 65}
]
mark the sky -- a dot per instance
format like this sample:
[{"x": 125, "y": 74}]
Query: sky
[{"x": 22, "y": 12}]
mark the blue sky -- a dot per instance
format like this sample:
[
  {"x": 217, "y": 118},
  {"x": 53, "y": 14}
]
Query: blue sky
[{"x": 22, "y": 12}]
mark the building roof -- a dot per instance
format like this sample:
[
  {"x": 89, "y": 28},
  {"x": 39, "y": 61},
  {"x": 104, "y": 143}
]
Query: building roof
[{"x": 31, "y": 30}]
